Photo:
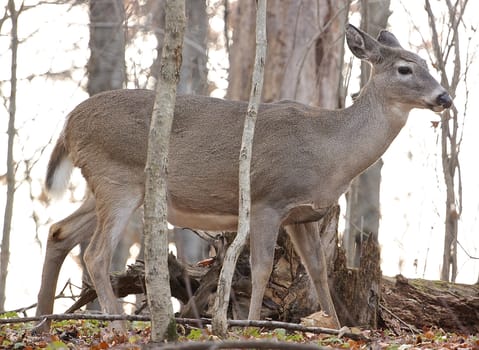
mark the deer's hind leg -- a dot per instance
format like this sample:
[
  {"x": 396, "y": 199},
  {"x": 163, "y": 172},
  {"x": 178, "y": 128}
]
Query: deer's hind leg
[
  {"x": 63, "y": 236},
  {"x": 307, "y": 242},
  {"x": 115, "y": 204}
]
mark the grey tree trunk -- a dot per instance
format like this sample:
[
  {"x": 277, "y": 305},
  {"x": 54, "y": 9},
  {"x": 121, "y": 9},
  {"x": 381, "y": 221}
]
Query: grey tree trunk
[
  {"x": 7, "y": 219},
  {"x": 193, "y": 80},
  {"x": 363, "y": 209},
  {"x": 163, "y": 326},
  {"x": 193, "y": 75},
  {"x": 451, "y": 137},
  {"x": 106, "y": 65}
]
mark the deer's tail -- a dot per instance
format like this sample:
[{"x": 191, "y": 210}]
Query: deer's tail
[{"x": 59, "y": 169}]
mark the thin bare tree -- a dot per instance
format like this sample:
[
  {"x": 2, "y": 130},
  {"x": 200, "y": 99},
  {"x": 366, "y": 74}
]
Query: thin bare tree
[
  {"x": 163, "y": 324},
  {"x": 446, "y": 50},
  {"x": 220, "y": 324},
  {"x": 7, "y": 220}
]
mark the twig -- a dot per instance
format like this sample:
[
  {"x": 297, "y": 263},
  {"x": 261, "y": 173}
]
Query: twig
[
  {"x": 243, "y": 344},
  {"x": 60, "y": 295},
  {"x": 61, "y": 317},
  {"x": 191, "y": 321},
  {"x": 294, "y": 327},
  {"x": 413, "y": 329}
]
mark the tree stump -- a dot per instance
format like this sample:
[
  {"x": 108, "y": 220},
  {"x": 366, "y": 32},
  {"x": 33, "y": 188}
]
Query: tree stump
[{"x": 357, "y": 291}]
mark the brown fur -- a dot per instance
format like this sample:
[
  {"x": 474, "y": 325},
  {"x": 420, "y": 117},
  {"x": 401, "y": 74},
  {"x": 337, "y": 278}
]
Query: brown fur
[{"x": 303, "y": 159}]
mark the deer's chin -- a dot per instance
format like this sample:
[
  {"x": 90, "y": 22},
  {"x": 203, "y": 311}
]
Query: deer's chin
[
  {"x": 437, "y": 108},
  {"x": 433, "y": 107}
]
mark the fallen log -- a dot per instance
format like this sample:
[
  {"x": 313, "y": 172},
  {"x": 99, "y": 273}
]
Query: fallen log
[
  {"x": 419, "y": 303},
  {"x": 404, "y": 304}
]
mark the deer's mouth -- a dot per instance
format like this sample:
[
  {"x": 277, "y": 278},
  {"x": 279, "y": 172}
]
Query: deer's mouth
[
  {"x": 443, "y": 101},
  {"x": 436, "y": 108},
  {"x": 440, "y": 103}
]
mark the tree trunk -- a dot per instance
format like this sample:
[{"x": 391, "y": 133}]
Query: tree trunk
[
  {"x": 193, "y": 80},
  {"x": 303, "y": 63},
  {"x": 156, "y": 227},
  {"x": 106, "y": 65},
  {"x": 193, "y": 75},
  {"x": 416, "y": 303},
  {"x": 363, "y": 208},
  {"x": 450, "y": 135},
  {"x": 220, "y": 324},
  {"x": 7, "y": 219},
  {"x": 242, "y": 20}
]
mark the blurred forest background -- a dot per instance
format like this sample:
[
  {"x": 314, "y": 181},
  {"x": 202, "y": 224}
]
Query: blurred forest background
[{"x": 420, "y": 201}]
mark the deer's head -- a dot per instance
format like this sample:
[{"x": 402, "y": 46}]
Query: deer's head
[{"x": 402, "y": 75}]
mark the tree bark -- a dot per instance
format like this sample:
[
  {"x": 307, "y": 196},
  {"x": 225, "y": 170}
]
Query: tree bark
[
  {"x": 106, "y": 65},
  {"x": 304, "y": 60},
  {"x": 416, "y": 303},
  {"x": 155, "y": 212},
  {"x": 363, "y": 208},
  {"x": 358, "y": 291},
  {"x": 220, "y": 324},
  {"x": 242, "y": 20},
  {"x": 7, "y": 219},
  {"x": 193, "y": 75},
  {"x": 193, "y": 80}
]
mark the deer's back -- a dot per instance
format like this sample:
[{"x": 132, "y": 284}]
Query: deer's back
[{"x": 112, "y": 129}]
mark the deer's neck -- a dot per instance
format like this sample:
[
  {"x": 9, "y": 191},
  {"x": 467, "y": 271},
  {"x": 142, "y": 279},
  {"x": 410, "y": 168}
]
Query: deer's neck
[{"x": 368, "y": 128}]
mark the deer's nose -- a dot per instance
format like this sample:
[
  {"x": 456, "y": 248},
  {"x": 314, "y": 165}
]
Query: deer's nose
[{"x": 444, "y": 100}]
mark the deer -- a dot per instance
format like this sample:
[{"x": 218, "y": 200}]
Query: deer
[{"x": 303, "y": 159}]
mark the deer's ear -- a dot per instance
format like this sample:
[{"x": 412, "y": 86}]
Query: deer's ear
[
  {"x": 388, "y": 39},
  {"x": 362, "y": 45}
]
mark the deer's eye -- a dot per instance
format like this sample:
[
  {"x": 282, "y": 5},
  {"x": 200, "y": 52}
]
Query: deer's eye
[{"x": 404, "y": 70}]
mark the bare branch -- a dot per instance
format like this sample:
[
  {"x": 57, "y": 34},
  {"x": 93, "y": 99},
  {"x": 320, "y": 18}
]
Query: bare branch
[{"x": 191, "y": 321}]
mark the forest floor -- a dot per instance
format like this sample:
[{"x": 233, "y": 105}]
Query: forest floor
[
  {"x": 413, "y": 314},
  {"x": 92, "y": 334}
]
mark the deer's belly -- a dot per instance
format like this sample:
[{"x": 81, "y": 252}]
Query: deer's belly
[{"x": 206, "y": 222}]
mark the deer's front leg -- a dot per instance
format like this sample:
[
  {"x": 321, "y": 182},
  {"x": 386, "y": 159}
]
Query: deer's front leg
[{"x": 264, "y": 233}]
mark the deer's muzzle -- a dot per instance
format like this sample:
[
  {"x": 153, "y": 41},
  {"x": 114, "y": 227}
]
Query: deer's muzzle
[{"x": 444, "y": 100}]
